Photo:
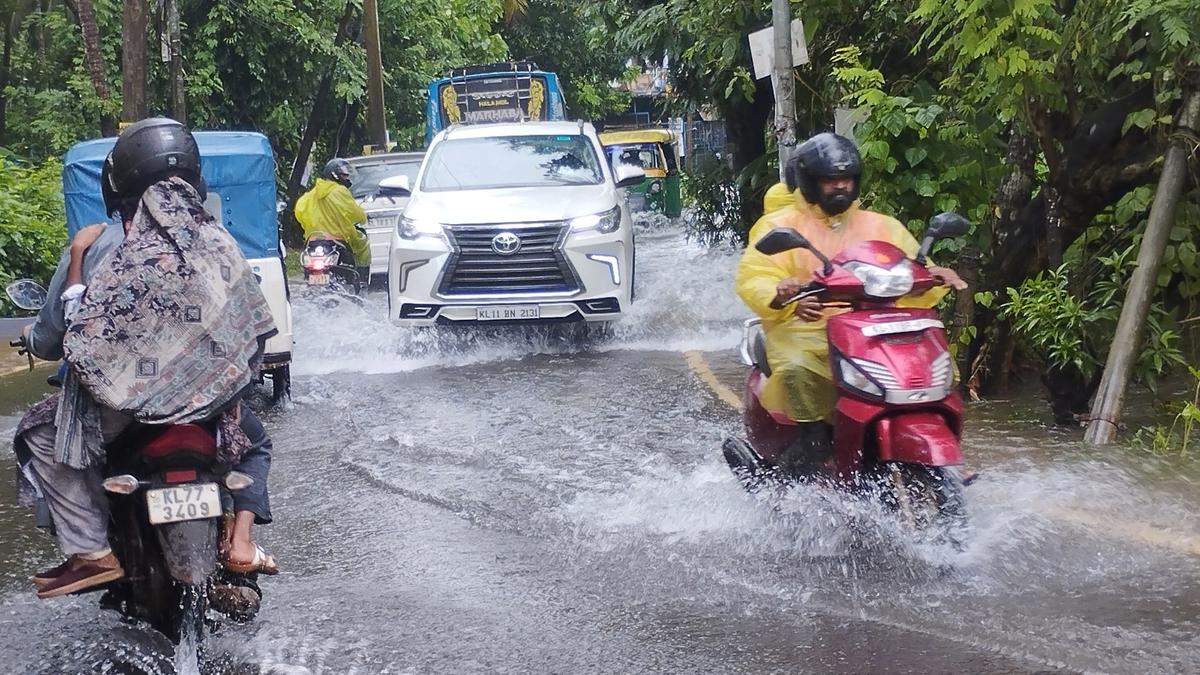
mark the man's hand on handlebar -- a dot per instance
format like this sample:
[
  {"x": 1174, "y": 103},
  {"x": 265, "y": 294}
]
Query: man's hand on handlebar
[
  {"x": 948, "y": 277},
  {"x": 809, "y": 309},
  {"x": 788, "y": 288}
]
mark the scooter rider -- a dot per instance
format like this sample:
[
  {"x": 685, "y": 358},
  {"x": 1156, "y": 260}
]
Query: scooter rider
[
  {"x": 825, "y": 172},
  {"x": 329, "y": 208},
  {"x": 148, "y": 155}
]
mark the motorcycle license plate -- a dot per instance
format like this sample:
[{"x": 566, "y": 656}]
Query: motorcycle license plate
[
  {"x": 186, "y": 502},
  {"x": 318, "y": 279},
  {"x": 508, "y": 312}
]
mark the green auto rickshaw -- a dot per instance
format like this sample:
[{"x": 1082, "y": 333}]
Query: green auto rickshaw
[{"x": 654, "y": 151}]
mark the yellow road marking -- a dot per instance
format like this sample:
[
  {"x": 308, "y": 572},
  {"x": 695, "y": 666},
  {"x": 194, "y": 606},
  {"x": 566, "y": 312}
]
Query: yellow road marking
[
  {"x": 1129, "y": 530},
  {"x": 24, "y": 369},
  {"x": 699, "y": 366}
]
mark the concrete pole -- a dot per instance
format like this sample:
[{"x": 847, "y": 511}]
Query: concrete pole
[
  {"x": 1131, "y": 327},
  {"x": 376, "y": 119},
  {"x": 782, "y": 76},
  {"x": 178, "y": 91}
]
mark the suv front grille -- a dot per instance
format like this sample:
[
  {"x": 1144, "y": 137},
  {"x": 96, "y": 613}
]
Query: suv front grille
[{"x": 539, "y": 266}]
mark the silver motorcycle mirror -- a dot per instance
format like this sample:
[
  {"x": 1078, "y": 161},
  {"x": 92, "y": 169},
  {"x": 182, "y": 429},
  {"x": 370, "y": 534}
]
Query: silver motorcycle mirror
[{"x": 26, "y": 294}]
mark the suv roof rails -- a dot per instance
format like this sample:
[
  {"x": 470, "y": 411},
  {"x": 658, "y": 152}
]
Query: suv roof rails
[{"x": 502, "y": 67}]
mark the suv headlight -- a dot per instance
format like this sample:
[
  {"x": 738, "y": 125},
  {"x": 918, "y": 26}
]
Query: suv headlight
[
  {"x": 605, "y": 222},
  {"x": 881, "y": 282},
  {"x": 413, "y": 228}
]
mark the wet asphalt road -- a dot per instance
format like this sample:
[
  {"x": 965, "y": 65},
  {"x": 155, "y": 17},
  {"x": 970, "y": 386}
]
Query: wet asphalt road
[{"x": 501, "y": 502}]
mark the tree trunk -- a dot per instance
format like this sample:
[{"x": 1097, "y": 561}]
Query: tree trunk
[
  {"x": 5, "y": 69},
  {"x": 316, "y": 120},
  {"x": 134, "y": 21},
  {"x": 783, "y": 76},
  {"x": 94, "y": 60},
  {"x": 1131, "y": 327}
]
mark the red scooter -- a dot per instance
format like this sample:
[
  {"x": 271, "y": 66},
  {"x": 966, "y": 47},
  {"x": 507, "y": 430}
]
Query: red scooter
[{"x": 898, "y": 418}]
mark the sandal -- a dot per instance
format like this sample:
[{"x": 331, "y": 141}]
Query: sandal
[{"x": 263, "y": 563}]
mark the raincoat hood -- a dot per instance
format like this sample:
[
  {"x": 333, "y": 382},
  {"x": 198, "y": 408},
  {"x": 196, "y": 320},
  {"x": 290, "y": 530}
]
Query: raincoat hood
[{"x": 778, "y": 197}]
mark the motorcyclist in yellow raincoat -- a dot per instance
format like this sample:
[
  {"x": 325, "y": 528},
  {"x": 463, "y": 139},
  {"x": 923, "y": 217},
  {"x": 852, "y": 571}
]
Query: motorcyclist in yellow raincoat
[
  {"x": 329, "y": 208},
  {"x": 824, "y": 174}
]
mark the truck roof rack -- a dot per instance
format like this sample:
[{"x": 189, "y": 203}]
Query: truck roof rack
[{"x": 521, "y": 72}]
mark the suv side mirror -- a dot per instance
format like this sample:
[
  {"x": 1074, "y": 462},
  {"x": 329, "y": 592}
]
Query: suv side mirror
[
  {"x": 628, "y": 176},
  {"x": 395, "y": 185},
  {"x": 942, "y": 226},
  {"x": 26, "y": 294}
]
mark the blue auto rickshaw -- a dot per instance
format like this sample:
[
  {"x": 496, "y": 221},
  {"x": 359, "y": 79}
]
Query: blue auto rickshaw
[{"x": 239, "y": 169}]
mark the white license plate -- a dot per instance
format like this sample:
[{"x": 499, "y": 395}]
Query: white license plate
[
  {"x": 508, "y": 312},
  {"x": 186, "y": 502},
  {"x": 893, "y": 327},
  {"x": 318, "y": 279}
]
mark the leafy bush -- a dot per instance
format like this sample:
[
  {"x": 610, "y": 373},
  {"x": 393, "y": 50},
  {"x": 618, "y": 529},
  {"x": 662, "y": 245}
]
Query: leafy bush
[
  {"x": 1073, "y": 330},
  {"x": 32, "y": 223}
]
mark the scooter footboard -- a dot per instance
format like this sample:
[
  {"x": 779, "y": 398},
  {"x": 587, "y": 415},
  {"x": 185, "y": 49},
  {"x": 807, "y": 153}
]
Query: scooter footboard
[{"x": 918, "y": 438}]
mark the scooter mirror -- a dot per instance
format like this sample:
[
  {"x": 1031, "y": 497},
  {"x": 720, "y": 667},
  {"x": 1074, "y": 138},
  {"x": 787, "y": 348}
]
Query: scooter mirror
[
  {"x": 26, "y": 294},
  {"x": 781, "y": 239},
  {"x": 947, "y": 224}
]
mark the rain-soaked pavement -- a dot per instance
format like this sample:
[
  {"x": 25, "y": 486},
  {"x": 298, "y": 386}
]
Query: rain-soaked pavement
[{"x": 501, "y": 501}]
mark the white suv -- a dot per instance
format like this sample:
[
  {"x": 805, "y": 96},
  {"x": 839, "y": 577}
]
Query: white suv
[{"x": 516, "y": 222}]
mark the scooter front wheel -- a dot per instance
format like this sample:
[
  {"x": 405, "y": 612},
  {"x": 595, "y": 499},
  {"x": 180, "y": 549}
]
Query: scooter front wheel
[{"x": 928, "y": 500}]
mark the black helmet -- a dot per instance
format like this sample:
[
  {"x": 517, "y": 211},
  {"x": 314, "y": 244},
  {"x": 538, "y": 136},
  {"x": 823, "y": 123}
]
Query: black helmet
[
  {"x": 338, "y": 170},
  {"x": 825, "y": 155},
  {"x": 146, "y": 152}
]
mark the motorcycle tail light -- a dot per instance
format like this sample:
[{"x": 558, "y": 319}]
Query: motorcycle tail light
[
  {"x": 179, "y": 475},
  {"x": 124, "y": 484}
]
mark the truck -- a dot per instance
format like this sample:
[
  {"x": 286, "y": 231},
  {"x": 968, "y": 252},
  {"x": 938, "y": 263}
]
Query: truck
[{"x": 515, "y": 91}]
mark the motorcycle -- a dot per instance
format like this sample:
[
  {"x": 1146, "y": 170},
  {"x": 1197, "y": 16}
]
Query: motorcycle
[
  {"x": 328, "y": 266},
  {"x": 898, "y": 419},
  {"x": 164, "y": 489}
]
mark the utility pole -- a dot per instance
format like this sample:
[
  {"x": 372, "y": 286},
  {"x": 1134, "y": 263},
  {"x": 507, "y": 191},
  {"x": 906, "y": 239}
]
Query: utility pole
[
  {"x": 783, "y": 77},
  {"x": 1131, "y": 327},
  {"x": 178, "y": 93},
  {"x": 134, "y": 20},
  {"x": 376, "y": 119}
]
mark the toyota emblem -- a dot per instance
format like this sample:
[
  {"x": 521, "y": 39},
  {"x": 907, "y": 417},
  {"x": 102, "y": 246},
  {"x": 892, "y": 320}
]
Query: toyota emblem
[{"x": 506, "y": 243}]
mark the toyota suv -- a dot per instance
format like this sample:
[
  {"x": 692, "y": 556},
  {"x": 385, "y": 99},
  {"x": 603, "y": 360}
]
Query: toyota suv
[{"x": 514, "y": 223}]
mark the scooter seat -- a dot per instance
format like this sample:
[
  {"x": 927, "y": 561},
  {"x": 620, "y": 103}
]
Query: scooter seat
[{"x": 758, "y": 350}]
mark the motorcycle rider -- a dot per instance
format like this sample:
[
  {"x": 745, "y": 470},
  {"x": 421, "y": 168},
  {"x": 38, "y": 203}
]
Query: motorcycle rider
[
  {"x": 825, "y": 173},
  {"x": 158, "y": 154},
  {"x": 329, "y": 208}
]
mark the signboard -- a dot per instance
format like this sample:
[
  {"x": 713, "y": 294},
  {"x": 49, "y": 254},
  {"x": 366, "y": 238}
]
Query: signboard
[
  {"x": 498, "y": 99},
  {"x": 762, "y": 49}
]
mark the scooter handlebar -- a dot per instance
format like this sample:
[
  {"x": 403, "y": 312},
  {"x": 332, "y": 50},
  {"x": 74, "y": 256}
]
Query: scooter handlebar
[{"x": 811, "y": 288}]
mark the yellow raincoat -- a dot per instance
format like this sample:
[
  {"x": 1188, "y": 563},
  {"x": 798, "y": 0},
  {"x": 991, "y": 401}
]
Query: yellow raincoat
[
  {"x": 801, "y": 382},
  {"x": 329, "y": 208}
]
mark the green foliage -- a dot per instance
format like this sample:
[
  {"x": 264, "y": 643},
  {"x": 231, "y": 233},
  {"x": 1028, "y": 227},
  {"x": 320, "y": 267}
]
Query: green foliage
[
  {"x": 1072, "y": 329},
  {"x": 923, "y": 152},
  {"x": 714, "y": 200},
  {"x": 32, "y": 223},
  {"x": 1178, "y": 437}
]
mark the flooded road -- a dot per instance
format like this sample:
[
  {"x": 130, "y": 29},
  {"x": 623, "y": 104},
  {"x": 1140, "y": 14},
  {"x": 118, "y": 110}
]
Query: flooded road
[{"x": 505, "y": 501}]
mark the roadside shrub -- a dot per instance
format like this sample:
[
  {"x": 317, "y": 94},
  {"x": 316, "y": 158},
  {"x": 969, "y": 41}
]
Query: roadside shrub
[{"x": 32, "y": 223}]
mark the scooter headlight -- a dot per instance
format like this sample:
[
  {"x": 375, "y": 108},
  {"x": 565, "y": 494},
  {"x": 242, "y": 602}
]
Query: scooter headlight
[
  {"x": 881, "y": 282},
  {"x": 414, "y": 228},
  {"x": 853, "y": 374}
]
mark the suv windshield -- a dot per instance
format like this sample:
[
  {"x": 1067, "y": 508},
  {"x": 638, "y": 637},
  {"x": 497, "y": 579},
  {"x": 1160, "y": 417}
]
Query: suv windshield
[
  {"x": 365, "y": 177},
  {"x": 511, "y": 161}
]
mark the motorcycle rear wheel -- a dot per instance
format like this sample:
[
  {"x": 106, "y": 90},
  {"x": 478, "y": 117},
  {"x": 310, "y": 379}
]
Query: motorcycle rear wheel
[{"x": 928, "y": 500}]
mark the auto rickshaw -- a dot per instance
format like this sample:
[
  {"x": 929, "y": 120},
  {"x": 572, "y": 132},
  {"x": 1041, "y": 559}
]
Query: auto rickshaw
[
  {"x": 654, "y": 151},
  {"x": 239, "y": 169}
]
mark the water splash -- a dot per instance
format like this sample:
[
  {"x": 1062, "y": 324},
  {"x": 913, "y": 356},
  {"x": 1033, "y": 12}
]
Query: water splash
[{"x": 684, "y": 300}]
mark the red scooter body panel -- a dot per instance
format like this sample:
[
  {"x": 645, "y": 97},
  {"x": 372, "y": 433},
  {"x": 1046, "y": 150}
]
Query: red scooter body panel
[{"x": 921, "y": 437}]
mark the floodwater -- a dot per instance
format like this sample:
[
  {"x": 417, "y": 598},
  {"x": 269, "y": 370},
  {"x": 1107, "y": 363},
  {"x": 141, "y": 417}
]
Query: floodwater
[{"x": 507, "y": 501}]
